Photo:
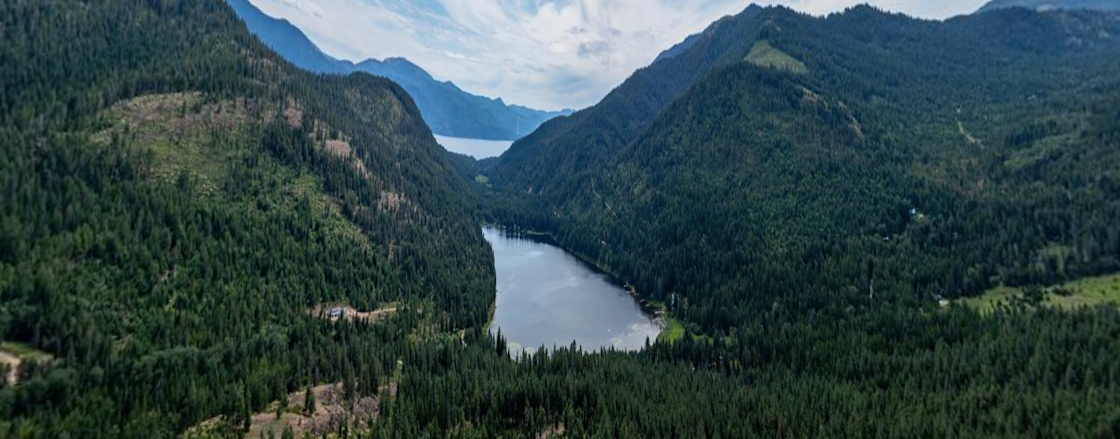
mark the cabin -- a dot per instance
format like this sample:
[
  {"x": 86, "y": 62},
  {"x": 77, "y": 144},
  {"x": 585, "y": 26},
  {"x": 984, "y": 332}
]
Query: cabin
[{"x": 337, "y": 313}]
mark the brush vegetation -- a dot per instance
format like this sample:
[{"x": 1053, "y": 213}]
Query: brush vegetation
[{"x": 765, "y": 55}]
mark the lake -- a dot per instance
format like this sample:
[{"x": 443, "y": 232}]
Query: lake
[
  {"x": 548, "y": 297},
  {"x": 477, "y": 148}
]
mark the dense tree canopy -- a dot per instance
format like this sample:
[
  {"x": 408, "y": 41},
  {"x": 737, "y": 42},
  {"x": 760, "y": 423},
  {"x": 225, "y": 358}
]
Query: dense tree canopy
[
  {"x": 951, "y": 157},
  {"x": 807, "y": 211},
  {"x": 178, "y": 201}
]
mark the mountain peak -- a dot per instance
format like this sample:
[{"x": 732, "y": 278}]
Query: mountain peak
[
  {"x": 400, "y": 61},
  {"x": 688, "y": 42},
  {"x": 1048, "y": 5}
]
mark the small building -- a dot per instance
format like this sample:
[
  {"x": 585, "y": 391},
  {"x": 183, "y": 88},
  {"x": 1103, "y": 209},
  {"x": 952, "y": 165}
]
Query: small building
[{"x": 337, "y": 313}]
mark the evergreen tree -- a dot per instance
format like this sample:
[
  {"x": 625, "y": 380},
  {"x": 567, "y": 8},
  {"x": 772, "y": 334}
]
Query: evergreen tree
[{"x": 309, "y": 407}]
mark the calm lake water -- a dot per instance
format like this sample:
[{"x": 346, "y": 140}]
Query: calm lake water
[
  {"x": 547, "y": 297},
  {"x": 479, "y": 149}
]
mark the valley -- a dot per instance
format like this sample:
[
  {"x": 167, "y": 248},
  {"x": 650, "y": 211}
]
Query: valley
[{"x": 856, "y": 224}]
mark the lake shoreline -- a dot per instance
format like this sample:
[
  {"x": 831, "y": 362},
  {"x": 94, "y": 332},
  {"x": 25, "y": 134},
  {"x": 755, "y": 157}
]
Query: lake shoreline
[
  {"x": 478, "y": 149},
  {"x": 660, "y": 313}
]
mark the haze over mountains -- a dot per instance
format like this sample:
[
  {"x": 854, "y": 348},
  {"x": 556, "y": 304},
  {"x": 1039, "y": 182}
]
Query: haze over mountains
[
  {"x": 448, "y": 110},
  {"x": 1043, "y": 5}
]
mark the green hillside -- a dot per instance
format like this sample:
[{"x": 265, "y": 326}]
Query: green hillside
[
  {"x": 949, "y": 167},
  {"x": 181, "y": 206},
  {"x": 810, "y": 221},
  {"x": 765, "y": 55},
  {"x": 177, "y": 199}
]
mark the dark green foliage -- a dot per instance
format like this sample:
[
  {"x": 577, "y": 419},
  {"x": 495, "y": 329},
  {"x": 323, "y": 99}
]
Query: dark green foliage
[
  {"x": 309, "y": 406},
  {"x": 170, "y": 299},
  {"x": 958, "y": 155},
  {"x": 282, "y": 406},
  {"x": 777, "y": 208},
  {"x": 943, "y": 378},
  {"x": 808, "y": 222}
]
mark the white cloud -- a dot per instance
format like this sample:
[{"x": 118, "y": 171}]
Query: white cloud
[{"x": 547, "y": 54}]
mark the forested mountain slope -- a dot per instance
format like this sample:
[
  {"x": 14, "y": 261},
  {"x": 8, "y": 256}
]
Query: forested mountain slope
[
  {"x": 800, "y": 192},
  {"x": 819, "y": 159},
  {"x": 176, "y": 198},
  {"x": 447, "y": 109},
  {"x": 1044, "y": 5},
  {"x": 176, "y": 201},
  {"x": 564, "y": 149}
]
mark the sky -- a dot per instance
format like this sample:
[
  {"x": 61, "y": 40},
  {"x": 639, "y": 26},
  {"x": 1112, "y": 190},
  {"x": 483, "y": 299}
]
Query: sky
[{"x": 544, "y": 54}]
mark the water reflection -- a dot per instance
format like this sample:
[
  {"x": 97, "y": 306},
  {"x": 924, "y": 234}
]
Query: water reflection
[
  {"x": 547, "y": 297},
  {"x": 477, "y": 148}
]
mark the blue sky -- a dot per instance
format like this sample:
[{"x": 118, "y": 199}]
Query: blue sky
[{"x": 547, "y": 54}]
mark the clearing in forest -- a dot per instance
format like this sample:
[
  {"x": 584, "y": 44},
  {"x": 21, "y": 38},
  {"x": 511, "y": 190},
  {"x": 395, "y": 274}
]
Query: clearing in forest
[
  {"x": 765, "y": 55},
  {"x": 13, "y": 355},
  {"x": 331, "y": 412},
  {"x": 1090, "y": 291},
  {"x": 337, "y": 312}
]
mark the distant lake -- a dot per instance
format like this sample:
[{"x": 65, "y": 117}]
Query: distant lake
[
  {"x": 547, "y": 297},
  {"x": 477, "y": 148}
]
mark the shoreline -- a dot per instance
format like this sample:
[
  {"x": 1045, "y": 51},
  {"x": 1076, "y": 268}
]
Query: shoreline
[{"x": 654, "y": 309}]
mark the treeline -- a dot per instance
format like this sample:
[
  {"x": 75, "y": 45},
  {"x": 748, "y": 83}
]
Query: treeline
[
  {"x": 171, "y": 217},
  {"x": 1048, "y": 375},
  {"x": 899, "y": 161},
  {"x": 168, "y": 258},
  {"x": 807, "y": 224}
]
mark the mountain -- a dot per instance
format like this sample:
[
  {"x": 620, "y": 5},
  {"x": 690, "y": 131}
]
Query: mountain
[
  {"x": 679, "y": 47},
  {"x": 1049, "y": 5},
  {"x": 780, "y": 141},
  {"x": 287, "y": 40},
  {"x": 448, "y": 110},
  {"x": 452, "y": 112},
  {"x": 179, "y": 201},
  {"x": 182, "y": 211},
  {"x": 825, "y": 182},
  {"x": 566, "y": 149}
]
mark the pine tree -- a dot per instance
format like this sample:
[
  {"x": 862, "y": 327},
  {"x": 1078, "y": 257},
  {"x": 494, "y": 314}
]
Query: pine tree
[
  {"x": 282, "y": 406},
  {"x": 348, "y": 385},
  {"x": 309, "y": 401}
]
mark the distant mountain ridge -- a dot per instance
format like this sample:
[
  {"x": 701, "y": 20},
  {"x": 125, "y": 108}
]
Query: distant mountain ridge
[
  {"x": 447, "y": 109},
  {"x": 1041, "y": 5}
]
